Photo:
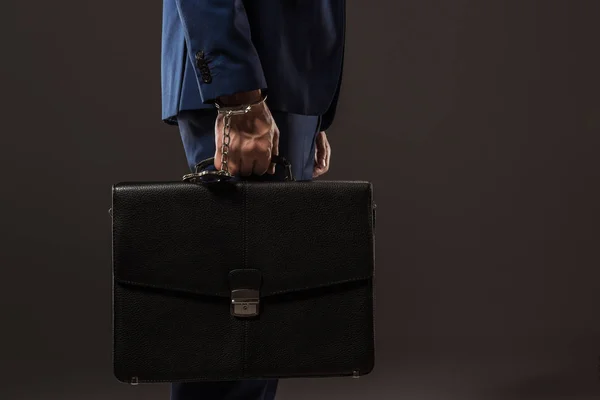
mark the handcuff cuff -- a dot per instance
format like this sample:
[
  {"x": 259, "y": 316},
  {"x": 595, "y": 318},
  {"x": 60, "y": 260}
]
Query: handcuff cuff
[{"x": 223, "y": 174}]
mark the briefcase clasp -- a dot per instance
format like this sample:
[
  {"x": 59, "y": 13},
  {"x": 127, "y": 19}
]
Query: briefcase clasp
[{"x": 244, "y": 303}]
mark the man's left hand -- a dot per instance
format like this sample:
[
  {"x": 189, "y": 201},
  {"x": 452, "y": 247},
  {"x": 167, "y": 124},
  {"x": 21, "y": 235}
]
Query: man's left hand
[{"x": 322, "y": 155}]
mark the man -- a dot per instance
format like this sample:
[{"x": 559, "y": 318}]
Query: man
[{"x": 234, "y": 53}]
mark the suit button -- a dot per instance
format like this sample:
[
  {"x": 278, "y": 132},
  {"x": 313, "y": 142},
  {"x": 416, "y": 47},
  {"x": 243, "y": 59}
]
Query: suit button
[
  {"x": 206, "y": 77},
  {"x": 203, "y": 66}
]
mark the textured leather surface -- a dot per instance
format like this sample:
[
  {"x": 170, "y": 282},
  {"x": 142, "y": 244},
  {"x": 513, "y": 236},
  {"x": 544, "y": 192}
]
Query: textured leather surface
[{"x": 175, "y": 245}]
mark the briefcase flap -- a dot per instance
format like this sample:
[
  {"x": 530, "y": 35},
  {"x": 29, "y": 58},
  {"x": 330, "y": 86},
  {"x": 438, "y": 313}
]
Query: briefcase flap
[{"x": 188, "y": 237}]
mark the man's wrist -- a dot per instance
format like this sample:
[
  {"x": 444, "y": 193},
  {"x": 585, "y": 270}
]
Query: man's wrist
[{"x": 241, "y": 98}]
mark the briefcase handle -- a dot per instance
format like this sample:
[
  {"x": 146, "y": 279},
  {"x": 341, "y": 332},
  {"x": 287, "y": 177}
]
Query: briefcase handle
[{"x": 200, "y": 172}]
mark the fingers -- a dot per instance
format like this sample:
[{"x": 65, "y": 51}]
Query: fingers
[
  {"x": 328, "y": 152},
  {"x": 234, "y": 165},
  {"x": 322, "y": 155},
  {"x": 321, "y": 150},
  {"x": 274, "y": 151},
  {"x": 245, "y": 162},
  {"x": 261, "y": 155},
  {"x": 246, "y": 167},
  {"x": 260, "y": 162}
]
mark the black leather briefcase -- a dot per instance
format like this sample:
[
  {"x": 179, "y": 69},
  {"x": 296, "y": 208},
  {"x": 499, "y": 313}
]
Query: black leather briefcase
[{"x": 242, "y": 279}]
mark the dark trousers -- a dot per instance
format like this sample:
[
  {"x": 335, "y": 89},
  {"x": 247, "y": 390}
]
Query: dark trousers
[{"x": 297, "y": 145}]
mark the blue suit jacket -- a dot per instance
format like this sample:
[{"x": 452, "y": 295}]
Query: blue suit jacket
[{"x": 293, "y": 49}]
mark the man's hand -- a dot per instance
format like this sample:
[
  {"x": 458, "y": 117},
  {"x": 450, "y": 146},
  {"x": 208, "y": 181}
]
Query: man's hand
[
  {"x": 322, "y": 155},
  {"x": 254, "y": 137}
]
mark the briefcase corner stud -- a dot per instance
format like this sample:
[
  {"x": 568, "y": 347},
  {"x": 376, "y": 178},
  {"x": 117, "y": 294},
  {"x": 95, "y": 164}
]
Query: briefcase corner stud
[{"x": 245, "y": 303}]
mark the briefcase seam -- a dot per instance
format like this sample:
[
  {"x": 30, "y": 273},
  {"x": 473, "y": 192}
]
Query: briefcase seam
[
  {"x": 172, "y": 289},
  {"x": 227, "y": 295},
  {"x": 362, "y": 278}
]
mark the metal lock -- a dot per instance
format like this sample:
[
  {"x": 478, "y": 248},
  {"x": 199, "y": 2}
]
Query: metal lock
[{"x": 244, "y": 303}]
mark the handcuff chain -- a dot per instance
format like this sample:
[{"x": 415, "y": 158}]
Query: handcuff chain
[
  {"x": 228, "y": 112},
  {"x": 226, "y": 139}
]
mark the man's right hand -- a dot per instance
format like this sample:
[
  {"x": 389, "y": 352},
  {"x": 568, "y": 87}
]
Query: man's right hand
[{"x": 254, "y": 137}]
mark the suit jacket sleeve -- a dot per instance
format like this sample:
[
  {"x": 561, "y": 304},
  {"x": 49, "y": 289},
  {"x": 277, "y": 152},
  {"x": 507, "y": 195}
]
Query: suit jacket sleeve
[{"x": 217, "y": 36}]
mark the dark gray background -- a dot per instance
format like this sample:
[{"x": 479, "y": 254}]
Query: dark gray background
[{"x": 477, "y": 121}]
